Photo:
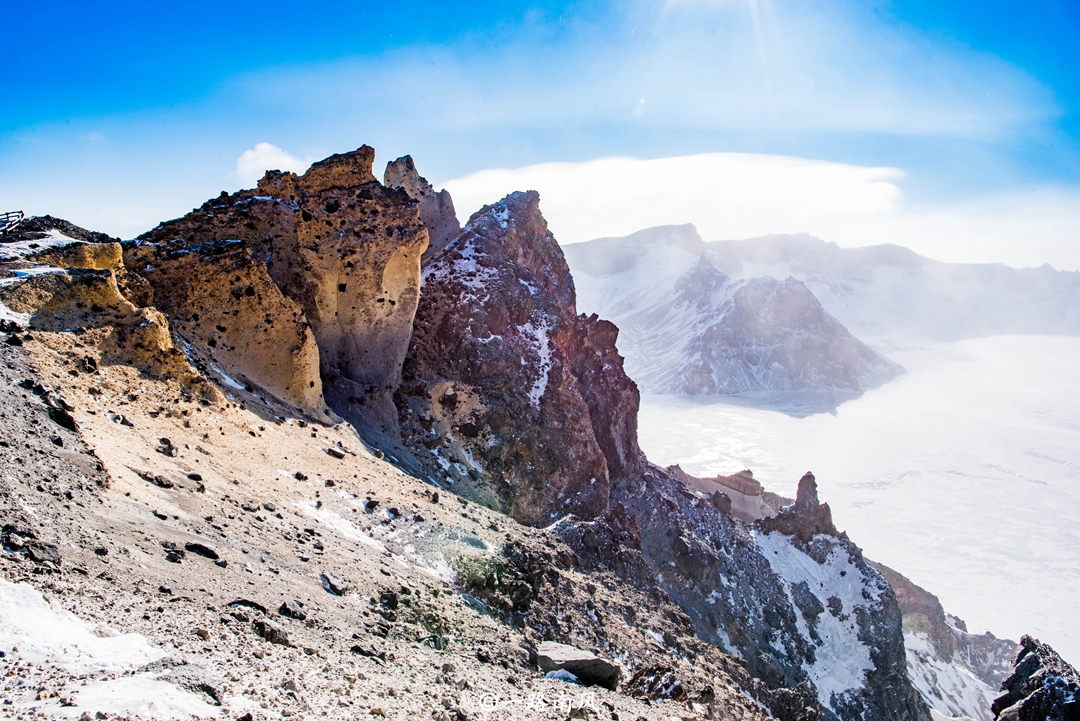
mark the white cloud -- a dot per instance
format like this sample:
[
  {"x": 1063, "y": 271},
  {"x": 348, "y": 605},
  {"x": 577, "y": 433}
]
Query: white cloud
[
  {"x": 253, "y": 163},
  {"x": 737, "y": 195}
]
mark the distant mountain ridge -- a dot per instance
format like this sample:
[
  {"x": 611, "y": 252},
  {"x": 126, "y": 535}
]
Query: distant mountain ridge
[
  {"x": 877, "y": 292},
  {"x": 689, "y": 327}
]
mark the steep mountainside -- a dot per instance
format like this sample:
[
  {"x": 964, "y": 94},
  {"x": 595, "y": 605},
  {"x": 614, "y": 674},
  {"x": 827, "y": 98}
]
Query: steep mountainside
[
  {"x": 325, "y": 479},
  {"x": 880, "y": 291},
  {"x": 689, "y": 328},
  {"x": 518, "y": 391},
  {"x": 957, "y": 672}
]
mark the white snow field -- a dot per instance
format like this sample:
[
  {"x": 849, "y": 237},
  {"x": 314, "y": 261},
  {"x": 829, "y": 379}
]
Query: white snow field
[
  {"x": 100, "y": 671},
  {"x": 963, "y": 474}
]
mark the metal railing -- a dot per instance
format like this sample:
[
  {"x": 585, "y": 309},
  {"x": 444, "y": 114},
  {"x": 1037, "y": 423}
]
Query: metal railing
[{"x": 10, "y": 221}]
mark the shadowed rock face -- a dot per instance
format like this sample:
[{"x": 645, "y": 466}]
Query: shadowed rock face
[
  {"x": 1042, "y": 687},
  {"x": 502, "y": 378},
  {"x": 331, "y": 255}
]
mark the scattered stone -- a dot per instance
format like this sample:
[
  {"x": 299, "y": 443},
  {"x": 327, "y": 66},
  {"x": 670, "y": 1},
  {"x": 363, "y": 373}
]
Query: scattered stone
[
  {"x": 292, "y": 610},
  {"x": 221, "y": 563},
  {"x": 194, "y": 477},
  {"x": 333, "y": 584},
  {"x": 160, "y": 515},
  {"x": 271, "y": 632},
  {"x": 336, "y": 453},
  {"x": 246, "y": 603},
  {"x": 201, "y": 549},
  {"x": 270, "y": 507},
  {"x": 101, "y": 551},
  {"x": 57, "y": 441},
  {"x": 40, "y": 552},
  {"x": 250, "y": 506},
  {"x": 63, "y": 419}
]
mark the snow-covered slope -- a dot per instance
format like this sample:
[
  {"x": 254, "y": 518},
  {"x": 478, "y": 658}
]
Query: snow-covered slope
[
  {"x": 878, "y": 292},
  {"x": 688, "y": 327}
]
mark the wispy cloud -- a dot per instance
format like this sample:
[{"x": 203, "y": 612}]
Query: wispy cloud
[{"x": 734, "y": 195}]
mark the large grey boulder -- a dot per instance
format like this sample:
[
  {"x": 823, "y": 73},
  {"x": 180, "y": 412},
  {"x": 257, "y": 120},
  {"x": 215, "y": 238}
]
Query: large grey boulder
[{"x": 590, "y": 669}]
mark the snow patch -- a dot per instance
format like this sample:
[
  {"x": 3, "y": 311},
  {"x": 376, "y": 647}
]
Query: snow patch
[
  {"x": 50, "y": 638},
  {"x": 544, "y": 351},
  {"x": 949, "y": 689},
  {"x": 841, "y": 659},
  {"x": 229, "y": 380}
]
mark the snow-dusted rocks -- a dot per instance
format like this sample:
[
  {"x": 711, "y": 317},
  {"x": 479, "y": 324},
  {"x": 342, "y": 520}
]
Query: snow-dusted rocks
[
  {"x": 690, "y": 328},
  {"x": 491, "y": 400},
  {"x": 1042, "y": 686},
  {"x": 798, "y": 611},
  {"x": 958, "y": 673}
]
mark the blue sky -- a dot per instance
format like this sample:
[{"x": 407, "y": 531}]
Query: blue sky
[{"x": 118, "y": 115}]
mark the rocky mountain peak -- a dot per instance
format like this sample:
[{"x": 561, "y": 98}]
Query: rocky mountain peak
[
  {"x": 806, "y": 517},
  {"x": 305, "y": 287},
  {"x": 436, "y": 208},
  {"x": 516, "y": 228},
  {"x": 342, "y": 170},
  {"x": 495, "y": 399},
  {"x": 1042, "y": 687}
]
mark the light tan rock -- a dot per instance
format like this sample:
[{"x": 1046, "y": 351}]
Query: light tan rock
[
  {"x": 235, "y": 319},
  {"x": 436, "y": 208}
]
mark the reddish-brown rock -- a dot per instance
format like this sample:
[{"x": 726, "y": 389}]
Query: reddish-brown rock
[{"x": 504, "y": 390}]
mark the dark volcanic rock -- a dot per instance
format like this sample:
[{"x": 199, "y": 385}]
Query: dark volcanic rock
[
  {"x": 507, "y": 393},
  {"x": 761, "y": 594},
  {"x": 38, "y": 227},
  {"x": 1042, "y": 687}
]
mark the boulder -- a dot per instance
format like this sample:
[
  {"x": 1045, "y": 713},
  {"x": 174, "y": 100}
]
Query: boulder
[{"x": 589, "y": 668}]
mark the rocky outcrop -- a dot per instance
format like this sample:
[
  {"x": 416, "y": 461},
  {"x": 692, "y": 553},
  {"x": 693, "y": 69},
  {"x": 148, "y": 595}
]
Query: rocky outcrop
[
  {"x": 504, "y": 394},
  {"x": 331, "y": 255},
  {"x": 800, "y": 612},
  {"x": 72, "y": 287},
  {"x": 804, "y": 519},
  {"x": 436, "y": 208},
  {"x": 586, "y": 666},
  {"x": 738, "y": 494},
  {"x": 1042, "y": 687},
  {"x": 235, "y": 319}
]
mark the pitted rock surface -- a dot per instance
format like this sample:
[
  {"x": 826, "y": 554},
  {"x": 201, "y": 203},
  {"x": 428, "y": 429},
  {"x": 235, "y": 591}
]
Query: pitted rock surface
[
  {"x": 436, "y": 208},
  {"x": 338, "y": 246}
]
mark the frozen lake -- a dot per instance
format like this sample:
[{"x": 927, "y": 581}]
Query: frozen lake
[{"x": 963, "y": 474}]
